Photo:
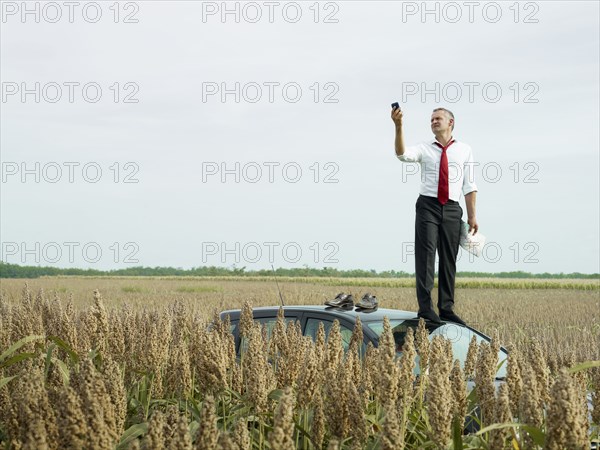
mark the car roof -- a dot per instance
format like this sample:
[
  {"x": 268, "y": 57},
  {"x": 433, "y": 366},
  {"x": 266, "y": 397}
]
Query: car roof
[
  {"x": 376, "y": 315},
  {"x": 365, "y": 315}
]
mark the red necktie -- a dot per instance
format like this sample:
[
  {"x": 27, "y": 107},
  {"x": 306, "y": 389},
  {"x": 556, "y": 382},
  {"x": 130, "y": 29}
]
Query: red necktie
[{"x": 443, "y": 186}]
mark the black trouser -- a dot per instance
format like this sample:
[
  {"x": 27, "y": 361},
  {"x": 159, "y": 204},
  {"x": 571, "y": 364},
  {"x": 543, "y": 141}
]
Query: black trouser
[{"x": 436, "y": 226}]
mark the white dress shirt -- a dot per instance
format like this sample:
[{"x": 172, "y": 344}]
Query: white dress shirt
[{"x": 460, "y": 167}]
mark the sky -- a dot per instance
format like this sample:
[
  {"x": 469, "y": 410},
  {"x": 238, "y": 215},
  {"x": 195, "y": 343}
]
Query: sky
[{"x": 251, "y": 134}]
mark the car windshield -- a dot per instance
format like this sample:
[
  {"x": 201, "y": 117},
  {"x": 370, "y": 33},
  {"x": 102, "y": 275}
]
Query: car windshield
[{"x": 459, "y": 336}]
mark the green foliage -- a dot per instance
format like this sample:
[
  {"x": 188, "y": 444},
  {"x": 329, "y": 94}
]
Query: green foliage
[
  {"x": 232, "y": 407},
  {"x": 10, "y": 356},
  {"x": 131, "y": 434}
]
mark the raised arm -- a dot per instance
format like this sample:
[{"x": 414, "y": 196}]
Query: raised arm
[{"x": 399, "y": 142}]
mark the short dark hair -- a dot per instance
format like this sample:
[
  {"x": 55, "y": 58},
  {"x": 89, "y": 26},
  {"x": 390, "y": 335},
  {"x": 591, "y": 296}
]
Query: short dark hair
[{"x": 447, "y": 111}]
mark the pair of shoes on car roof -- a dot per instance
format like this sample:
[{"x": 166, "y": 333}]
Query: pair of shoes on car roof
[
  {"x": 449, "y": 316},
  {"x": 342, "y": 300}
]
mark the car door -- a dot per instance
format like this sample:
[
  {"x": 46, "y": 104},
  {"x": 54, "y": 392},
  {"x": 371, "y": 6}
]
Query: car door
[{"x": 311, "y": 327}]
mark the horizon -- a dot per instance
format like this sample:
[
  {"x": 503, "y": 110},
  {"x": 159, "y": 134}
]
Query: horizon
[{"x": 242, "y": 270}]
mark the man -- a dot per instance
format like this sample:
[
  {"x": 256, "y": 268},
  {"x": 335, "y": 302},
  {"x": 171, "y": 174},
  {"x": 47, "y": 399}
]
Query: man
[{"x": 446, "y": 170}]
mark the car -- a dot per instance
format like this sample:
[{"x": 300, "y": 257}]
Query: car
[{"x": 309, "y": 318}]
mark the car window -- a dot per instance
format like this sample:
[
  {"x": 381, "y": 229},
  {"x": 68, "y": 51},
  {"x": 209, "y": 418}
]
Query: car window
[
  {"x": 312, "y": 327},
  {"x": 268, "y": 322},
  {"x": 459, "y": 336},
  {"x": 399, "y": 328}
]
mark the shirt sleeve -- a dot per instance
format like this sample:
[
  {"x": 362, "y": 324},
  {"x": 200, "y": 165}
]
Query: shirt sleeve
[
  {"x": 469, "y": 178},
  {"x": 412, "y": 153}
]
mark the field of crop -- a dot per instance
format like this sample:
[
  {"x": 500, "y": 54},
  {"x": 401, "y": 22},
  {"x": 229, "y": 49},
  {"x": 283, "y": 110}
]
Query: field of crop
[{"x": 134, "y": 366}]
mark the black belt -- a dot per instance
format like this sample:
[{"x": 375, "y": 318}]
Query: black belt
[{"x": 435, "y": 198}]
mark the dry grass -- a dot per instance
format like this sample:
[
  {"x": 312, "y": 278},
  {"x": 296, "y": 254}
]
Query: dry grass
[
  {"x": 140, "y": 358},
  {"x": 565, "y": 321}
]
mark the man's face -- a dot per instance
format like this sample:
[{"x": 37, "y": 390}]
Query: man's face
[{"x": 440, "y": 122}]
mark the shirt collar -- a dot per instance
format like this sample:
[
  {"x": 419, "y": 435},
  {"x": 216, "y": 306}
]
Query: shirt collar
[{"x": 434, "y": 141}]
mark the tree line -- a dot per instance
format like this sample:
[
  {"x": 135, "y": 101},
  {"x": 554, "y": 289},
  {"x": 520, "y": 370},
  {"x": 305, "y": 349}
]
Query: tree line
[{"x": 16, "y": 271}]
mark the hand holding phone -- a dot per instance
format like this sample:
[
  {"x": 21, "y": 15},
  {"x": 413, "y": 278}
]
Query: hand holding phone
[{"x": 397, "y": 114}]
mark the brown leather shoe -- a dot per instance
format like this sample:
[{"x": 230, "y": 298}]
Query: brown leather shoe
[
  {"x": 368, "y": 302},
  {"x": 341, "y": 300}
]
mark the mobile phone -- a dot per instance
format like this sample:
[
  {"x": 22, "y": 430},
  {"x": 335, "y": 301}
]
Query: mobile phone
[{"x": 395, "y": 105}]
